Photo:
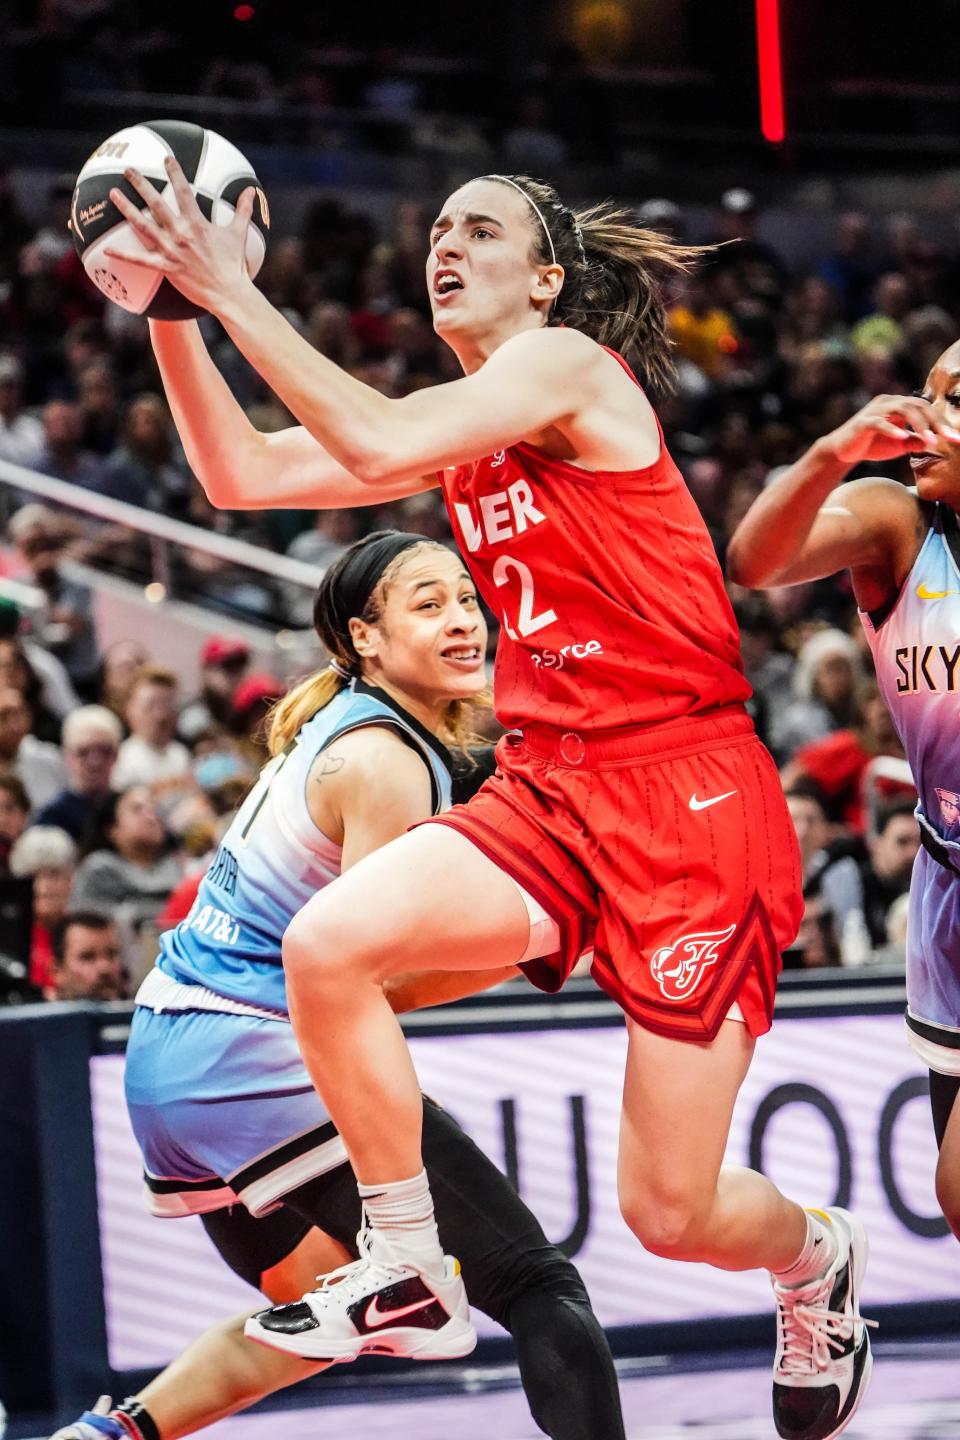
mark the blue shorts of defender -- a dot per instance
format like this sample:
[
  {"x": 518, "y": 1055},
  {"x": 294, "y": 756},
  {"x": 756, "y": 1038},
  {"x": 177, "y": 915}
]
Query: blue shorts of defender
[{"x": 224, "y": 1111}]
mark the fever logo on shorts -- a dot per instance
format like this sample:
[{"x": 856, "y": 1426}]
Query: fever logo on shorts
[{"x": 678, "y": 968}]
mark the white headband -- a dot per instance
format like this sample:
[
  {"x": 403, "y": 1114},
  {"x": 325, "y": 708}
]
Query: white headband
[{"x": 505, "y": 179}]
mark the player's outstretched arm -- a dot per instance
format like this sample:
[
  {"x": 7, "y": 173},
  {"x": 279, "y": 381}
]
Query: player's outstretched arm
[
  {"x": 806, "y": 524},
  {"x": 536, "y": 379},
  {"x": 238, "y": 467}
]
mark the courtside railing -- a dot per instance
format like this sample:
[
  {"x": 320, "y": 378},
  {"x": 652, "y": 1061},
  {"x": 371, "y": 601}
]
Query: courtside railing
[{"x": 170, "y": 554}]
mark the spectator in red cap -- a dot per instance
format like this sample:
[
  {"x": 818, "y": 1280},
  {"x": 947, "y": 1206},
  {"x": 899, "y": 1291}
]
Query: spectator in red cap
[
  {"x": 224, "y": 661},
  {"x": 224, "y": 650},
  {"x": 253, "y": 700}
]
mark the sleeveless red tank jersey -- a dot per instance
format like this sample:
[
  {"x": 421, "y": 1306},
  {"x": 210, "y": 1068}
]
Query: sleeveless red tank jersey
[{"x": 611, "y": 601}]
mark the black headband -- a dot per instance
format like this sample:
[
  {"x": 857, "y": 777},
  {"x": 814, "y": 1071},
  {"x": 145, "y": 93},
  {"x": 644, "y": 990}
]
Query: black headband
[{"x": 359, "y": 577}]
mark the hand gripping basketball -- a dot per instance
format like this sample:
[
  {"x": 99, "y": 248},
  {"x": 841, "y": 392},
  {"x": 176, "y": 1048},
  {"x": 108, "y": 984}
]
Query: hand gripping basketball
[{"x": 206, "y": 262}]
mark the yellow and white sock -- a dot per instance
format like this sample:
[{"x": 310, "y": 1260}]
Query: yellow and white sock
[{"x": 817, "y": 1255}]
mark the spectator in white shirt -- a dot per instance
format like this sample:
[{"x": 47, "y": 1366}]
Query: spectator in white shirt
[
  {"x": 150, "y": 755},
  {"x": 63, "y": 623}
]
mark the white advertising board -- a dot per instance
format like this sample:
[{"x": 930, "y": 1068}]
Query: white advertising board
[{"x": 833, "y": 1108}]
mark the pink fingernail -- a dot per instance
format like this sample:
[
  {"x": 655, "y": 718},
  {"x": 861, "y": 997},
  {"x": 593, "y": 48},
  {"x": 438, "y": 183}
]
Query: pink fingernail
[{"x": 950, "y": 433}]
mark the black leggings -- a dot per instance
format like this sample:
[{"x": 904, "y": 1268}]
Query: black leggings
[
  {"x": 510, "y": 1269},
  {"x": 943, "y": 1092}
]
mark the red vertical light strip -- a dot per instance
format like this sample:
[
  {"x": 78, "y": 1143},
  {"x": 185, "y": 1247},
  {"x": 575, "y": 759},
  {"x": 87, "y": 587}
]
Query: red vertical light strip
[{"x": 771, "y": 77}]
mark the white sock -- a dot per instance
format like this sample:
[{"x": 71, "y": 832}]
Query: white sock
[
  {"x": 818, "y": 1253},
  {"x": 402, "y": 1212}
]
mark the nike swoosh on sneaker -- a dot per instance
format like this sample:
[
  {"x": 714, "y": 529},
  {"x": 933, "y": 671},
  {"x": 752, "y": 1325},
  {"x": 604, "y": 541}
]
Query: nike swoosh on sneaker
[
  {"x": 375, "y": 1317},
  {"x": 696, "y": 804}
]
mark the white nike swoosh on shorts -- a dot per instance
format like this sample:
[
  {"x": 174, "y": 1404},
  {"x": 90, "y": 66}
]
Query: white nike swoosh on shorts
[{"x": 696, "y": 804}]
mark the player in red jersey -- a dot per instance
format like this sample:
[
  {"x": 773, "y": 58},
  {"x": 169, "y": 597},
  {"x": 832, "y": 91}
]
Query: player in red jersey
[{"x": 634, "y": 811}]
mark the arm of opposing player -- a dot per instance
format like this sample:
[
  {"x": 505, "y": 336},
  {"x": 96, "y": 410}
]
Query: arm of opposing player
[
  {"x": 858, "y": 526},
  {"x": 534, "y": 380},
  {"x": 806, "y": 524},
  {"x": 238, "y": 467}
]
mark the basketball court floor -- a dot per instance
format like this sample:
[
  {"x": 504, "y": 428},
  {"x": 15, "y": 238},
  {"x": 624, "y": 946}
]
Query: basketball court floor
[{"x": 915, "y": 1395}]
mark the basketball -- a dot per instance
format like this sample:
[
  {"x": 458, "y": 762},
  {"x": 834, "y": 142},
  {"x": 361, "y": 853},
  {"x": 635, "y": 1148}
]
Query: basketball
[{"x": 217, "y": 173}]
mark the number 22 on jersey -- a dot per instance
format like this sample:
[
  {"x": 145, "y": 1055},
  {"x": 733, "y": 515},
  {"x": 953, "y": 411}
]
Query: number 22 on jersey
[{"x": 528, "y": 622}]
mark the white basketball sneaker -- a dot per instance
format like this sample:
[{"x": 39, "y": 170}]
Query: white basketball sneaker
[
  {"x": 823, "y": 1360},
  {"x": 378, "y": 1305}
]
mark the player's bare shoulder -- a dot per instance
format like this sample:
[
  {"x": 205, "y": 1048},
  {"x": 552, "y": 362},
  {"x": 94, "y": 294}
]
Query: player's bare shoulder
[
  {"x": 605, "y": 421},
  {"x": 892, "y": 521},
  {"x": 891, "y": 511},
  {"x": 370, "y": 765},
  {"x": 557, "y": 353},
  {"x": 372, "y": 755}
]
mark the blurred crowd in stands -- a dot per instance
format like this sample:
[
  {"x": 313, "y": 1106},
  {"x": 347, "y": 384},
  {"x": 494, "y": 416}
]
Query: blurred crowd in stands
[
  {"x": 115, "y": 785},
  {"x": 302, "y": 75}
]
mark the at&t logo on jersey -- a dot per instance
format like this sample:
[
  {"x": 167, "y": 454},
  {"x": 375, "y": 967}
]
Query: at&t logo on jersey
[
  {"x": 679, "y": 968},
  {"x": 556, "y": 659},
  {"x": 216, "y": 924}
]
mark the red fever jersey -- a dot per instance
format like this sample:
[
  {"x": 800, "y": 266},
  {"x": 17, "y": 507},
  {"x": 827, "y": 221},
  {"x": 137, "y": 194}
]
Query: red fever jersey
[{"x": 611, "y": 601}]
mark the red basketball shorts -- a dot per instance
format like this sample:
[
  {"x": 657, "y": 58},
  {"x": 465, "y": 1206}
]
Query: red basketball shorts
[{"x": 668, "y": 850}]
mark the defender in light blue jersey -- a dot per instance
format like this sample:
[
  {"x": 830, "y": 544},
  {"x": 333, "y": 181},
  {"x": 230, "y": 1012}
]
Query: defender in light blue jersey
[
  {"x": 224, "y": 959},
  {"x": 274, "y": 857},
  {"x": 226, "y": 1116},
  {"x": 225, "y": 1111},
  {"x": 902, "y": 547}
]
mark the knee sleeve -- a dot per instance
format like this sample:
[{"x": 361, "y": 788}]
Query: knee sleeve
[
  {"x": 252, "y": 1246},
  {"x": 943, "y": 1093},
  {"x": 565, "y": 1364}
]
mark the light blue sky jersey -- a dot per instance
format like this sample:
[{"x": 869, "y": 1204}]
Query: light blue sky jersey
[
  {"x": 273, "y": 859},
  {"x": 916, "y": 649}
]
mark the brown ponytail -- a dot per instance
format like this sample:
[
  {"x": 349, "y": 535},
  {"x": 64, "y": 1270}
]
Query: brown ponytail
[{"x": 613, "y": 272}]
